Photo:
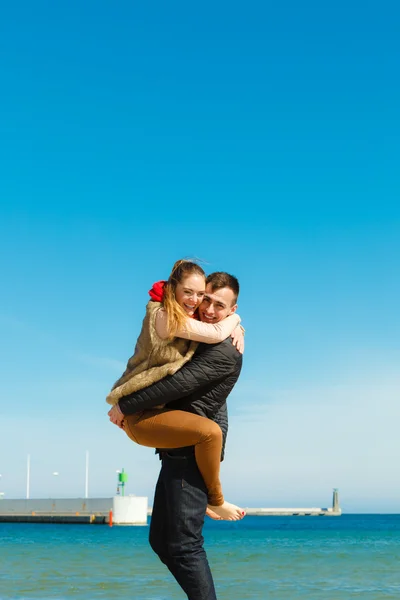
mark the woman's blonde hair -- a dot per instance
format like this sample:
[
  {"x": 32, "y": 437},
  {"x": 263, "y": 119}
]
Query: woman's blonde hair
[{"x": 176, "y": 316}]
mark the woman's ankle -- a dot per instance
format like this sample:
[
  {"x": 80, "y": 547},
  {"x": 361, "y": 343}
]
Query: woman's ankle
[{"x": 216, "y": 500}]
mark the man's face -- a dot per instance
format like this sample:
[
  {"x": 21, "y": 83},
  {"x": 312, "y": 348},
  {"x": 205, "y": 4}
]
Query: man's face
[{"x": 217, "y": 305}]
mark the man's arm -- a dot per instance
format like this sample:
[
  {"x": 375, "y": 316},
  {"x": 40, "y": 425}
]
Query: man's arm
[
  {"x": 209, "y": 401},
  {"x": 209, "y": 366}
]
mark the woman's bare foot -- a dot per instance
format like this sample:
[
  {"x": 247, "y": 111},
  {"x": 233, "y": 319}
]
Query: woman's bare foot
[
  {"x": 227, "y": 511},
  {"x": 210, "y": 513}
]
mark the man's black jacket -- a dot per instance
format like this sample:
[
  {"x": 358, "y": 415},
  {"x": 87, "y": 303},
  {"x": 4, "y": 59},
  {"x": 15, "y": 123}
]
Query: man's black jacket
[{"x": 201, "y": 386}]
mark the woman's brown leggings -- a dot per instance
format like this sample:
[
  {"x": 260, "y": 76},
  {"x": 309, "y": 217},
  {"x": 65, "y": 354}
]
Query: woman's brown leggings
[{"x": 177, "y": 429}]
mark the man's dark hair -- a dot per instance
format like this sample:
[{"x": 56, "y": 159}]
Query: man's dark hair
[{"x": 220, "y": 279}]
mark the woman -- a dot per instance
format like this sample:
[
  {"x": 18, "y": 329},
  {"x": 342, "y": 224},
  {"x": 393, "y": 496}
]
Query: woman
[{"x": 168, "y": 339}]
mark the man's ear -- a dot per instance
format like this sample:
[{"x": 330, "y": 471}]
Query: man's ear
[{"x": 233, "y": 309}]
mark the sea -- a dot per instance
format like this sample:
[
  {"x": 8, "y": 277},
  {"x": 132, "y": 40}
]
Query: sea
[{"x": 265, "y": 558}]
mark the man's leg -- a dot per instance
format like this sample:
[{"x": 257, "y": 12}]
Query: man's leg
[
  {"x": 159, "y": 516},
  {"x": 177, "y": 522}
]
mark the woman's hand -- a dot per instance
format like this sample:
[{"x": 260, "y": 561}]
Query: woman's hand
[
  {"x": 237, "y": 336},
  {"x": 116, "y": 416}
]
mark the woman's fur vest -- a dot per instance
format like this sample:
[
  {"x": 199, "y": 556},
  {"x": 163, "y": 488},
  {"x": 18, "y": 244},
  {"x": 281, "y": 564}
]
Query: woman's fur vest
[{"x": 153, "y": 359}]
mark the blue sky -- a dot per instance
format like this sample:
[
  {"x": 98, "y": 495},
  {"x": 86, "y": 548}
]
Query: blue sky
[{"x": 262, "y": 139}]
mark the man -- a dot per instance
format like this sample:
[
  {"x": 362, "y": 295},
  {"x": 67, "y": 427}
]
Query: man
[{"x": 201, "y": 386}]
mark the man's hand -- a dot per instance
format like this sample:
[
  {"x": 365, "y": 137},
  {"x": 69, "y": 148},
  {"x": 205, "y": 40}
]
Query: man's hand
[
  {"x": 237, "y": 336},
  {"x": 116, "y": 416}
]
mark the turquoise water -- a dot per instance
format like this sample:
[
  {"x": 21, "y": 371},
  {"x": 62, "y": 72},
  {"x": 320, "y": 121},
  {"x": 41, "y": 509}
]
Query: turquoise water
[{"x": 289, "y": 558}]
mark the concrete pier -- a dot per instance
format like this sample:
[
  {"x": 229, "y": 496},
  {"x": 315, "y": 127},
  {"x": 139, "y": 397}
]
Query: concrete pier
[
  {"x": 125, "y": 510},
  {"x": 292, "y": 512},
  {"x": 335, "y": 511}
]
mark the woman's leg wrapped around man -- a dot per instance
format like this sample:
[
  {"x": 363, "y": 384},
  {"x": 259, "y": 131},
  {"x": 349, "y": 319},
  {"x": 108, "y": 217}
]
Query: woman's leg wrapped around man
[{"x": 177, "y": 429}]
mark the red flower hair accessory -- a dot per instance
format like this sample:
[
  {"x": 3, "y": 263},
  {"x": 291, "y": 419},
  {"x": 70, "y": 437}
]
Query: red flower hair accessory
[{"x": 157, "y": 291}]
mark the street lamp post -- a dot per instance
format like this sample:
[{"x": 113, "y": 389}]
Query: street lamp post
[
  {"x": 28, "y": 476},
  {"x": 87, "y": 475}
]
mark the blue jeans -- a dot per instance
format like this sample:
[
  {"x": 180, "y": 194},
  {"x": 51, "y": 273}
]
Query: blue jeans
[{"x": 177, "y": 521}]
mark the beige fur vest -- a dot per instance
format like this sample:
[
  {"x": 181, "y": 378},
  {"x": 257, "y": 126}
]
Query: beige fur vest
[{"x": 153, "y": 359}]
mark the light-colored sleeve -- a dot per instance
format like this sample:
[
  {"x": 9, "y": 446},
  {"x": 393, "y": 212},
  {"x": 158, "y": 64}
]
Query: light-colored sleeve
[{"x": 208, "y": 333}]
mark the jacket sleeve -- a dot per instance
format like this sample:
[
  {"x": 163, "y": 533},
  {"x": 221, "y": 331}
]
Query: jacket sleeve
[
  {"x": 212, "y": 365},
  {"x": 209, "y": 404}
]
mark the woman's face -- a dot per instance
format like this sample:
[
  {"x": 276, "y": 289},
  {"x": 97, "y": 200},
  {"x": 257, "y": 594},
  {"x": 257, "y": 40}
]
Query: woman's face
[{"x": 189, "y": 293}]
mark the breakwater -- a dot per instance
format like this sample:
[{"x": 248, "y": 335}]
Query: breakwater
[{"x": 120, "y": 510}]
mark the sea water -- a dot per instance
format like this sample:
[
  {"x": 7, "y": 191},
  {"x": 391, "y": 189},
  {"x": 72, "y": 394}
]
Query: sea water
[{"x": 265, "y": 558}]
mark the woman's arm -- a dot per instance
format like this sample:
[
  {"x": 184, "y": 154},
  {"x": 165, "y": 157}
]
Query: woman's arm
[{"x": 208, "y": 333}]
